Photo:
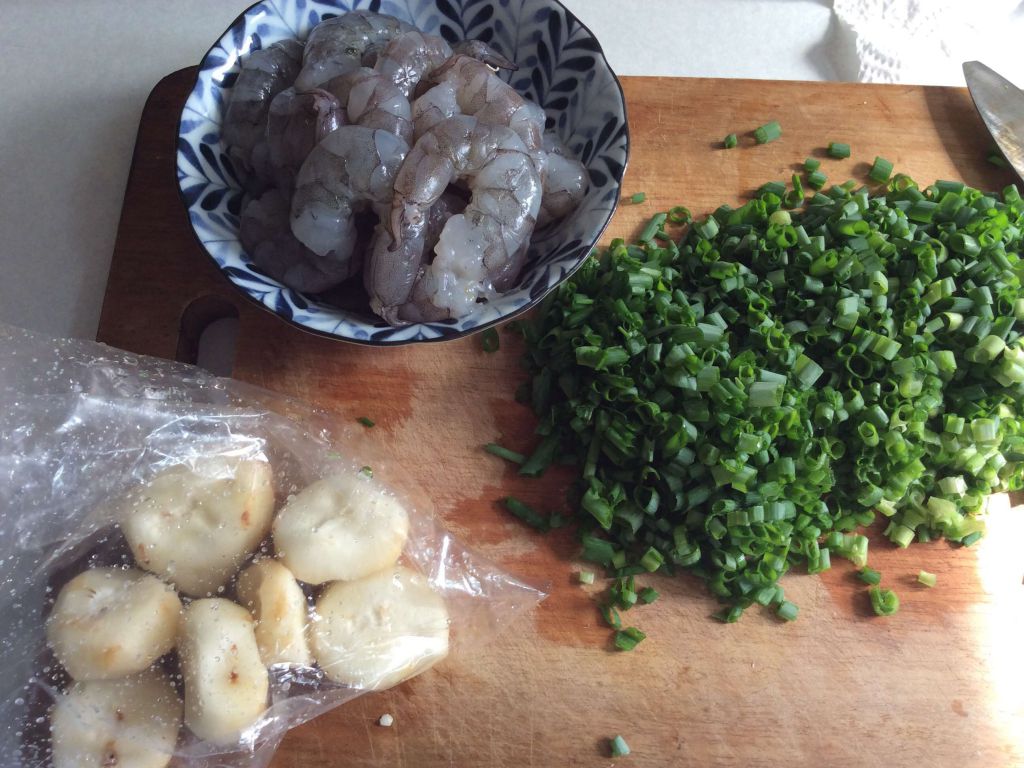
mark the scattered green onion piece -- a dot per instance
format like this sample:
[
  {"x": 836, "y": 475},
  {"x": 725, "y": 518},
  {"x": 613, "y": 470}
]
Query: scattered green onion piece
[
  {"x": 586, "y": 577},
  {"x": 489, "y": 340},
  {"x": 680, "y": 215},
  {"x": 995, "y": 157},
  {"x": 816, "y": 179},
  {"x": 504, "y": 453},
  {"x": 838, "y": 150},
  {"x": 619, "y": 747},
  {"x": 811, "y": 164},
  {"x": 880, "y": 171},
  {"x": 611, "y": 616},
  {"x": 541, "y": 458},
  {"x": 648, "y": 595},
  {"x": 768, "y": 132},
  {"x": 638, "y": 197},
  {"x": 925, "y": 578},
  {"x": 869, "y": 575},
  {"x": 787, "y": 611},
  {"x": 367, "y": 472},
  {"x": 885, "y": 602},
  {"x": 526, "y": 513},
  {"x": 730, "y": 141},
  {"x": 629, "y": 638},
  {"x": 366, "y": 422}
]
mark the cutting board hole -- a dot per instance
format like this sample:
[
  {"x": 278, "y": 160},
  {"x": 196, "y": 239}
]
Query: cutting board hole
[{"x": 209, "y": 335}]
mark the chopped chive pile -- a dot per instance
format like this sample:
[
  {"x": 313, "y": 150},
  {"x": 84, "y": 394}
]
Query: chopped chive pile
[
  {"x": 768, "y": 132},
  {"x": 730, "y": 141},
  {"x": 743, "y": 400}
]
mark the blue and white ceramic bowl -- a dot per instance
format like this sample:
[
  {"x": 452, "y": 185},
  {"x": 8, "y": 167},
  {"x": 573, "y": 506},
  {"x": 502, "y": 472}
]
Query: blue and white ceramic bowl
[{"x": 561, "y": 66}]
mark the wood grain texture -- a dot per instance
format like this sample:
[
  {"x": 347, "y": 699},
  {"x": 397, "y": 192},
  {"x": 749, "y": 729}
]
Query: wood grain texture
[{"x": 938, "y": 683}]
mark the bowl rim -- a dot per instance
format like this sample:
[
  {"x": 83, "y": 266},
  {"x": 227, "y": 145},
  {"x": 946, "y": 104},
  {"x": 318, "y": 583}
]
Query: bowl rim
[{"x": 456, "y": 336}]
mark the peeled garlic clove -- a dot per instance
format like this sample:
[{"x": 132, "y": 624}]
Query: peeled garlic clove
[
  {"x": 276, "y": 602},
  {"x": 109, "y": 622},
  {"x": 130, "y": 722},
  {"x": 378, "y": 631},
  {"x": 226, "y": 683},
  {"x": 195, "y": 527},
  {"x": 343, "y": 527}
]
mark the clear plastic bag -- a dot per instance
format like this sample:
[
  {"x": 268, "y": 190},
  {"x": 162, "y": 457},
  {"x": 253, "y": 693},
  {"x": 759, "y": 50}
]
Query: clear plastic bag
[{"x": 119, "y": 464}]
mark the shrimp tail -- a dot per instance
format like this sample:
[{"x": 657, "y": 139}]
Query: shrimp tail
[
  {"x": 391, "y": 272},
  {"x": 481, "y": 51}
]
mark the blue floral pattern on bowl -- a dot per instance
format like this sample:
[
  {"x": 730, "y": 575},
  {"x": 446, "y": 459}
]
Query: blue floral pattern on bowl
[{"x": 561, "y": 66}]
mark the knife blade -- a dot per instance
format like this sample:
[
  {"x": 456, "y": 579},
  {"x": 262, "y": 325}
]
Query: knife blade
[{"x": 1001, "y": 105}]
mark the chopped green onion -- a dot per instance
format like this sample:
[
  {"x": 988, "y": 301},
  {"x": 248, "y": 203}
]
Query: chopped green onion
[
  {"x": 648, "y": 595},
  {"x": 885, "y": 602},
  {"x": 928, "y": 579},
  {"x": 742, "y": 398},
  {"x": 586, "y": 577},
  {"x": 638, "y": 197},
  {"x": 504, "y": 453},
  {"x": 811, "y": 164},
  {"x": 541, "y": 458},
  {"x": 816, "y": 179},
  {"x": 366, "y": 472},
  {"x": 880, "y": 171},
  {"x": 629, "y": 638},
  {"x": 366, "y": 422},
  {"x": 838, "y": 149},
  {"x": 768, "y": 132},
  {"x": 787, "y": 611},
  {"x": 652, "y": 559},
  {"x": 730, "y": 141},
  {"x": 611, "y": 616},
  {"x": 680, "y": 215},
  {"x": 526, "y": 513},
  {"x": 869, "y": 575},
  {"x": 619, "y": 747},
  {"x": 489, "y": 340}
]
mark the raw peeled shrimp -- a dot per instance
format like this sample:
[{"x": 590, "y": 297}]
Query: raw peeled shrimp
[
  {"x": 297, "y": 123},
  {"x": 337, "y": 45},
  {"x": 482, "y": 94},
  {"x": 565, "y": 181},
  {"x": 352, "y": 168},
  {"x": 446, "y": 206},
  {"x": 372, "y": 100},
  {"x": 408, "y": 58},
  {"x": 267, "y": 237},
  {"x": 264, "y": 74},
  {"x": 481, "y": 250},
  {"x": 434, "y": 107}
]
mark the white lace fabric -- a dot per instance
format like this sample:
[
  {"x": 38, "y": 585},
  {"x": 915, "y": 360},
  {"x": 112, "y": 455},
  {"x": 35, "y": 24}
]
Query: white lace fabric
[{"x": 926, "y": 41}]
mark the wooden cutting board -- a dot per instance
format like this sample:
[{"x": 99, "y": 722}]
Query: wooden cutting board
[{"x": 940, "y": 683}]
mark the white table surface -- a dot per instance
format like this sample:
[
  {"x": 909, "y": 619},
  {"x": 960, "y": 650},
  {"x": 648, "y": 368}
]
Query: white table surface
[{"x": 76, "y": 74}]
